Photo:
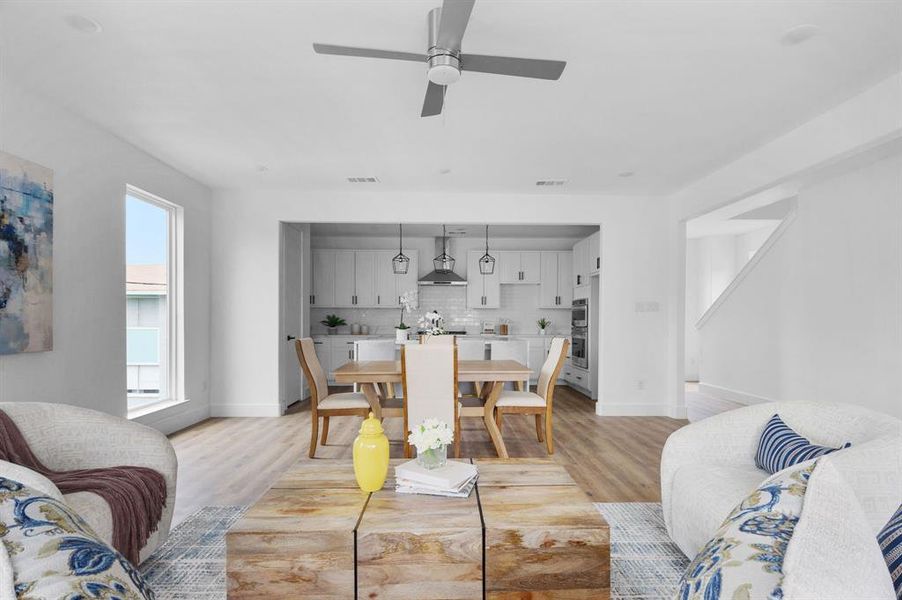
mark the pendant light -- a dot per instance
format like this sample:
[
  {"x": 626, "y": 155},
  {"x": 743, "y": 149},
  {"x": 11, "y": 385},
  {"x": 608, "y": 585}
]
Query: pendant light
[
  {"x": 487, "y": 262},
  {"x": 400, "y": 263},
  {"x": 444, "y": 262}
]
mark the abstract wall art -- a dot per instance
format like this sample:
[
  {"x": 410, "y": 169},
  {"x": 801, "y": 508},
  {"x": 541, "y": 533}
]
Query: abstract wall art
[{"x": 26, "y": 256}]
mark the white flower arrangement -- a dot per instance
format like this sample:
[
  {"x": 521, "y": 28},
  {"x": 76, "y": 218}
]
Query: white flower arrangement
[
  {"x": 408, "y": 301},
  {"x": 432, "y": 323},
  {"x": 431, "y": 434}
]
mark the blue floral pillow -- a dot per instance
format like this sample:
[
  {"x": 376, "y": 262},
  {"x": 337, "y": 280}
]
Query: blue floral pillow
[
  {"x": 745, "y": 557},
  {"x": 55, "y": 554}
]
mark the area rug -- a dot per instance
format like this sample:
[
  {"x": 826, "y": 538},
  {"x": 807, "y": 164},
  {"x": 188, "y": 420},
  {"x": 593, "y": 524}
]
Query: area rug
[{"x": 645, "y": 564}]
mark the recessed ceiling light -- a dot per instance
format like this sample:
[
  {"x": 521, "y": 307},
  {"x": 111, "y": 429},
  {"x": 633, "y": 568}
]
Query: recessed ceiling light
[
  {"x": 262, "y": 168},
  {"x": 626, "y": 174},
  {"x": 83, "y": 24},
  {"x": 799, "y": 34}
]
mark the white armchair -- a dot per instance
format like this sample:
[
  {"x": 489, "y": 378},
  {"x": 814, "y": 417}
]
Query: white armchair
[
  {"x": 67, "y": 437},
  {"x": 708, "y": 467}
]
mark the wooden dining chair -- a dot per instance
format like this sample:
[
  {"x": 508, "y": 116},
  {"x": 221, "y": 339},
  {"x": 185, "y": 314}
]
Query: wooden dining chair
[
  {"x": 517, "y": 350},
  {"x": 539, "y": 403},
  {"x": 322, "y": 403},
  {"x": 429, "y": 378},
  {"x": 378, "y": 350}
]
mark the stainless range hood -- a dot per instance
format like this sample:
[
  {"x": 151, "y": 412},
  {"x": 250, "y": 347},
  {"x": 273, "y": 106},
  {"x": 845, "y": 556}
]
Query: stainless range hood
[{"x": 443, "y": 277}]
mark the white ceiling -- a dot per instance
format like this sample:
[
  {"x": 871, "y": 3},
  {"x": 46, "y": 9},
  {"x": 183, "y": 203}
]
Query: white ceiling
[
  {"x": 667, "y": 89},
  {"x": 420, "y": 230}
]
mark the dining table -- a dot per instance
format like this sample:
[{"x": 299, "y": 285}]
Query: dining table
[{"x": 492, "y": 374}]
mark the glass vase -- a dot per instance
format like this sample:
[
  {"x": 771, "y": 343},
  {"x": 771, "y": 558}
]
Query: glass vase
[{"x": 433, "y": 458}]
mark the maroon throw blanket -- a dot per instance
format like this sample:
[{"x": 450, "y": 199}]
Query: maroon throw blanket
[{"x": 136, "y": 495}]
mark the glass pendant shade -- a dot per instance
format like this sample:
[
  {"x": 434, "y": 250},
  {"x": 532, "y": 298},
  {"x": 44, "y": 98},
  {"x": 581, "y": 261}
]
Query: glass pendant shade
[
  {"x": 487, "y": 261},
  {"x": 444, "y": 262},
  {"x": 401, "y": 262}
]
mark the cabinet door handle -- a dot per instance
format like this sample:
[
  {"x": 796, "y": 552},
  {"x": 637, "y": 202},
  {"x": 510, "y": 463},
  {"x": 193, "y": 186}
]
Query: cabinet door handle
[
  {"x": 317, "y": 343},
  {"x": 378, "y": 299},
  {"x": 579, "y": 279},
  {"x": 598, "y": 263},
  {"x": 399, "y": 299}
]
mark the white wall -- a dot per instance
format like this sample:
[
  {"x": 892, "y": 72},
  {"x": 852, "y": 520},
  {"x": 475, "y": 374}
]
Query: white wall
[
  {"x": 245, "y": 281},
  {"x": 820, "y": 315},
  {"x": 91, "y": 169}
]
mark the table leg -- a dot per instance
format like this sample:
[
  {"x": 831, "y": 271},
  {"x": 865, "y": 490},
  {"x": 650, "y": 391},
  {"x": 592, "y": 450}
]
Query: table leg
[
  {"x": 489, "y": 418},
  {"x": 372, "y": 396}
]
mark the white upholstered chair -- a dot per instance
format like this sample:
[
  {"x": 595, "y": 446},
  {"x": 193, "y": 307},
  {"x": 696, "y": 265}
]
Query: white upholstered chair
[
  {"x": 438, "y": 339},
  {"x": 378, "y": 350},
  {"x": 517, "y": 350},
  {"x": 66, "y": 438},
  {"x": 322, "y": 403},
  {"x": 429, "y": 375},
  {"x": 539, "y": 403}
]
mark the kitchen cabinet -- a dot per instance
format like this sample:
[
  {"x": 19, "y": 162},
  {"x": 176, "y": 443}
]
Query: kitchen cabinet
[
  {"x": 345, "y": 278},
  {"x": 581, "y": 263},
  {"x": 323, "y": 347},
  {"x": 364, "y": 278},
  {"x": 519, "y": 267},
  {"x": 342, "y": 352},
  {"x": 483, "y": 291},
  {"x": 323, "y": 280},
  {"x": 556, "y": 287},
  {"x": 595, "y": 253},
  {"x": 389, "y": 286},
  {"x": 536, "y": 358}
]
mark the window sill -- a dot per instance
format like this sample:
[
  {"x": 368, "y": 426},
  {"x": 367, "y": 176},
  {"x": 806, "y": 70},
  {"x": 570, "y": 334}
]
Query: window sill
[{"x": 156, "y": 406}]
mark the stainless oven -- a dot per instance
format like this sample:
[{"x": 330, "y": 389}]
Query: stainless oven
[
  {"x": 579, "y": 313},
  {"x": 579, "y": 349}
]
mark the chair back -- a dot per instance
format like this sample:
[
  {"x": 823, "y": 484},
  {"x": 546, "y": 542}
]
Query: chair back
[
  {"x": 552, "y": 368},
  {"x": 437, "y": 339},
  {"x": 313, "y": 371},
  {"x": 429, "y": 375},
  {"x": 470, "y": 349},
  {"x": 375, "y": 350},
  {"x": 517, "y": 350}
]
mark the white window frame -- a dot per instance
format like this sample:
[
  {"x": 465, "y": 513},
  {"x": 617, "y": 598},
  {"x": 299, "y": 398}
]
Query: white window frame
[{"x": 175, "y": 389}]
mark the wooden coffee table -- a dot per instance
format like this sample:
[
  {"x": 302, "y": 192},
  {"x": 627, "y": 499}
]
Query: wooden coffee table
[{"x": 526, "y": 528}]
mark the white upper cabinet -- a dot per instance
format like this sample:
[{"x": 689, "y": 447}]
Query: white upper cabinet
[
  {"x": 595, "y": 253},
  {"x": 519, "y": 267},
  {"x": 483, "y": 291},
  {"x": 581, "y": 263},
  {"x": 389, "y": 286},
  {"x": 323, "y": 280},
  {"x": 345, "y": 278},
  {"x": 555, "y": 289},
  {"x": 364, "y": 278}
]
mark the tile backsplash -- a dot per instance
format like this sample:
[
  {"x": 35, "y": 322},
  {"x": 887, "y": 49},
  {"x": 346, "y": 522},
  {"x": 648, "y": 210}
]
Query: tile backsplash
[{"x": 518, "y": 306}]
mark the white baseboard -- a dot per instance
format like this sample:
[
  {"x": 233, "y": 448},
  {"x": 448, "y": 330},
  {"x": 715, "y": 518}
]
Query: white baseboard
[
  {"x": 645, "y": 409},
  {"x": 169, "y": 420},
  {"x": 245, "y": 410},
  {"x": 723, "y": 393}
]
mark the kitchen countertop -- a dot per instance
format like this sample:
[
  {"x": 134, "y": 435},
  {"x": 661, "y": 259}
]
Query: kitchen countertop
[{"x": 513, "y": 336}]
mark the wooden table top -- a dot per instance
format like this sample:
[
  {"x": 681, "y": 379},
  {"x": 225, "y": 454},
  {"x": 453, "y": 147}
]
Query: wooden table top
[
  {"x": 381, "y": 371},
  {"x": 527, "y": 528}
]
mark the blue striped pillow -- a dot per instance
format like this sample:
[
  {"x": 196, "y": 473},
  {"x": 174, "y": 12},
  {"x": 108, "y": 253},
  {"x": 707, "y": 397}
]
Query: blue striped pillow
[
  {"x": 890, "y": 540},
  {"x": 781, "y": 447}
]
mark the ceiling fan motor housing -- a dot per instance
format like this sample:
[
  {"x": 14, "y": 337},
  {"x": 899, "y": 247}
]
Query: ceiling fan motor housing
[{"x": 443, "y": 63}]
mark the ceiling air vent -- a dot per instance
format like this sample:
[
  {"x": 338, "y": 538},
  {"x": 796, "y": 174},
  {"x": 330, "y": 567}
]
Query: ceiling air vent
[
  {"x": 363, "y": 180},
  {"x": 551, "y": 182}
]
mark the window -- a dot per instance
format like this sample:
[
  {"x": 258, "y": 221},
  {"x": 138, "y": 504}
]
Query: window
[{"x": 153, "y": 266}]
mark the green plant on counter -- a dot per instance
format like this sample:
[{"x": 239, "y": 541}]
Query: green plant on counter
[
  {"x": 543, "y": 323},
  {"x": 333, "y": 321}
]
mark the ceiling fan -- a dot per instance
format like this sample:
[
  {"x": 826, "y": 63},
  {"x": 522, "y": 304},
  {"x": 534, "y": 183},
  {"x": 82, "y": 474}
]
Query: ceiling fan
[{"x": 444, "y": 58}]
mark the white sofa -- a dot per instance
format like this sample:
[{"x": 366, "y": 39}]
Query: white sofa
[
  {"x": 708, "y": 467},
  {"x": 67, "y": 437}
]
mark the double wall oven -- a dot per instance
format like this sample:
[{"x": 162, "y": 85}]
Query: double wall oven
[{"x": 579, "y": 332}]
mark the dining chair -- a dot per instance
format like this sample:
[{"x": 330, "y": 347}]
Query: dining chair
[
  {"x": 378, "y": 350},
  {"x": 438, "y": 339},
  {"x": 471, "y": 350},
  {"x": 539, "y": 403},
  {"x": 322, "y": 403},
  {"x": 429, "y": 377},
  {"x": 517, "y": 350}
]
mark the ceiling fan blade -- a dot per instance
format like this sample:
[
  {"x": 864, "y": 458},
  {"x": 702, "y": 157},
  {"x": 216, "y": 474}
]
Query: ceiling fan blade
[
  {"x": 455, "y": 16},
  {"x": 517, "y": 67},
  {"x": 367, "y": 52},
  {"x": 435, "y": 98}
]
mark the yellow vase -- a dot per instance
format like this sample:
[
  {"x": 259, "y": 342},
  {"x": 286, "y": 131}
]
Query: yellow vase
[{"x": 371, "y": 455}]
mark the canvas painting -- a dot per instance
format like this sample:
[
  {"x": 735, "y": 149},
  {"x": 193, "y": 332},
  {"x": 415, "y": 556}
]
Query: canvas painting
[{"x": 26, "y": 256}]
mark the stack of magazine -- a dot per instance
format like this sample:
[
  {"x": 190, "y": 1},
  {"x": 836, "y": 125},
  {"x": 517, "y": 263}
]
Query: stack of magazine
[{"x": 455, "y": 479}]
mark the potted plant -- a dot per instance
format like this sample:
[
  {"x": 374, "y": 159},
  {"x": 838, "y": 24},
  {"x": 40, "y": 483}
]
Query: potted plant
[
  {"x": 408, "y": 301},
  {"x": 332, "y": 323},
  {"x": 432, "y": 323},
  {"x": 543, "y": 324},
  {"x": 431, "y": 439}
]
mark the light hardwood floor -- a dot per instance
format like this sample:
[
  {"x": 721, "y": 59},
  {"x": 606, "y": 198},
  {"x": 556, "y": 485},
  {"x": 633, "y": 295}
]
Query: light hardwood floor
[{"x": 233, "y": 461}]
